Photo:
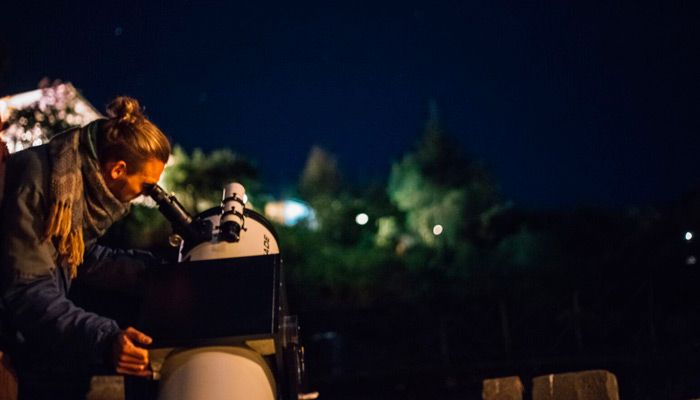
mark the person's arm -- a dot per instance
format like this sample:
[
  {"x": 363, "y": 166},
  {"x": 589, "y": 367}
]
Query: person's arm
[{"x": 37, "y": 306}]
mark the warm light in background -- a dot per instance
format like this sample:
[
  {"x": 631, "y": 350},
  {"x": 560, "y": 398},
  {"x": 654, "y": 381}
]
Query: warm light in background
[
  {"x": 361, "y": 219},
  {"x": 437, "y": 230}
]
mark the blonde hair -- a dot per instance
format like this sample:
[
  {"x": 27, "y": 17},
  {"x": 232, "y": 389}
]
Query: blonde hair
[{"x": 128, "y": 135}]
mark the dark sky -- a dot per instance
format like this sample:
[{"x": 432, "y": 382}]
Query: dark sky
[{"x": 567, "y": 103}]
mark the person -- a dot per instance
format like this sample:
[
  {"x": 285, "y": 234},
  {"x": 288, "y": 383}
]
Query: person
[
  {"x": 4, "y": 154},
  {"x": 59, "y": 198}
]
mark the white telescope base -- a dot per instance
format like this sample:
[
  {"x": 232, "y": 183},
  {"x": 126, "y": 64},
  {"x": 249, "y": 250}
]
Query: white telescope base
[{"x": 216, "y": 373}]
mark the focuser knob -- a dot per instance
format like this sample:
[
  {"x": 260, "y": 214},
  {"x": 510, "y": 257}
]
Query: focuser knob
[{"x": 175, "y": 240}]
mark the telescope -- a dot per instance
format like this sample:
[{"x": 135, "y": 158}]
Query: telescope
[{"x": 219, "y": 316}]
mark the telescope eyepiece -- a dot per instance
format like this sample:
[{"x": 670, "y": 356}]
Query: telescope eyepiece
[{"x": 184, "y": 226}]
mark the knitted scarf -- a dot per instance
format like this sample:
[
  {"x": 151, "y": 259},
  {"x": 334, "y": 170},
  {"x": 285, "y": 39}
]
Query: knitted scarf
[{"x": 81, "y": 205}]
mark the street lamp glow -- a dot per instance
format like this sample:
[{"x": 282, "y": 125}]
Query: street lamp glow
[
  {"x": 688, "y": 235},
  {"x": 294, "y": 211},
  {"x": 361, "y": 219},
  {"x": 437, "y": 230}
]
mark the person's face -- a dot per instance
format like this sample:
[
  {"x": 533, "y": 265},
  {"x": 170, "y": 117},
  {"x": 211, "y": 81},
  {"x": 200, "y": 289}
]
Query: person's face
[{"x": 125, "y": 186}]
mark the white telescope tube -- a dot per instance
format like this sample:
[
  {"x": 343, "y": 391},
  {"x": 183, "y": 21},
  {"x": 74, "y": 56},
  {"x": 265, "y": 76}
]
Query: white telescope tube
[{"x": 216, "y": 373}]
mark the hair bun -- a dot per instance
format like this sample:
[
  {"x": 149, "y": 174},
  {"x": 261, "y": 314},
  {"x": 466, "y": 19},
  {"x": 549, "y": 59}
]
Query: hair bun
[{"x": 125, "y": 108}]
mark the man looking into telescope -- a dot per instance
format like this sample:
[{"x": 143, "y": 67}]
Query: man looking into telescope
[{"x": 59, "y": 198}]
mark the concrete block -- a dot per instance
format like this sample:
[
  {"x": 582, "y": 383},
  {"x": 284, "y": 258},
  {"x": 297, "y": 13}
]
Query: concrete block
[
  {"x": 584, "y": 385},
  {"x": 106, "y": 387},
  {"x": 506, "y": 388}
]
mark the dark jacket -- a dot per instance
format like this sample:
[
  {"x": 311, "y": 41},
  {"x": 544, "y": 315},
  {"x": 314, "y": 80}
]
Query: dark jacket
[
  {"x": 4, "y": 154},
  {"x": 40, "y": 324}
]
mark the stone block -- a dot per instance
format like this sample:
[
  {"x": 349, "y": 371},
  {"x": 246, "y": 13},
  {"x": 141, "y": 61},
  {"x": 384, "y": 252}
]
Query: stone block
[
  {"x": 106, "y": 387},
  {"x": 584, "y": 385},
  {"x": 506, "y": 388}
]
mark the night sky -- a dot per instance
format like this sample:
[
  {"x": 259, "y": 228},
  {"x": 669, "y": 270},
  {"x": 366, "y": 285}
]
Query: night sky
[{"x": 567, "y": 103}]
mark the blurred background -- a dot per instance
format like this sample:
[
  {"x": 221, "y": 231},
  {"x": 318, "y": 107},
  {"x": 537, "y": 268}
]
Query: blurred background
[{"x": 462, "y": 189}]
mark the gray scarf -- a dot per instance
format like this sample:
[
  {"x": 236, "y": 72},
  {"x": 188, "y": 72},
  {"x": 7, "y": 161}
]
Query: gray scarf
[{"x": 81, "y": 205}]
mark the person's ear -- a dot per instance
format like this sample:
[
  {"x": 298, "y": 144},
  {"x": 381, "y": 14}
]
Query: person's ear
[{"x": 117, "y": 169}]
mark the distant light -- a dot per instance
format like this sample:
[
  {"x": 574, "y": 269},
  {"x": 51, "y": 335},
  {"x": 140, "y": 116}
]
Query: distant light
[
  {"x": 288, "y": 212},
  {"x": 437, "y": 230},
  {"x": 295, "y": 211},
  {"x": 691, "y": 260},
  {"x": 361, "y": 219},
  {"x": 688, "y": 235}
]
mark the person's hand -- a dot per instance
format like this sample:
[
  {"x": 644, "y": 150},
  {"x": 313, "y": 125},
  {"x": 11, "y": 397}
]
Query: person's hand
[{"x": 127, "y": 355}]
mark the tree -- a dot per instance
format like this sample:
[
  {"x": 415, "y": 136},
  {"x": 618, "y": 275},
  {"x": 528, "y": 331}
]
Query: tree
[
  {"x": 319, "y": 185},
  {"x": 59, "y": 107},
  {"x": 321, "y": 176},
  {"x": 338, "y": 260},
  {"x": 443, "y": 194},
  {"x": 198, "y": 179}
]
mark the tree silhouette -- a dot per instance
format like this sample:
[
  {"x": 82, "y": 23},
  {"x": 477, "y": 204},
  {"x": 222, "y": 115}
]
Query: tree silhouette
[
  {"x": 442, "y": 193},
  {"x": 321, "y": 176}
]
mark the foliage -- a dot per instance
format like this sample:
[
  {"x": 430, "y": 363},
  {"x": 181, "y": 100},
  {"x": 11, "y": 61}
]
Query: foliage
[
  {"x": 523, "y": 249},
  {"x": 59, "y": 108},
  {"x": 433, "y": 185},
  {"x": 198, "y": 179},
  {"x": 338, "y": 260},
  {"x": 340, "y": 275},
  {"x": 436, "y": 187},
  {"x": 321, "y": 176}
]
